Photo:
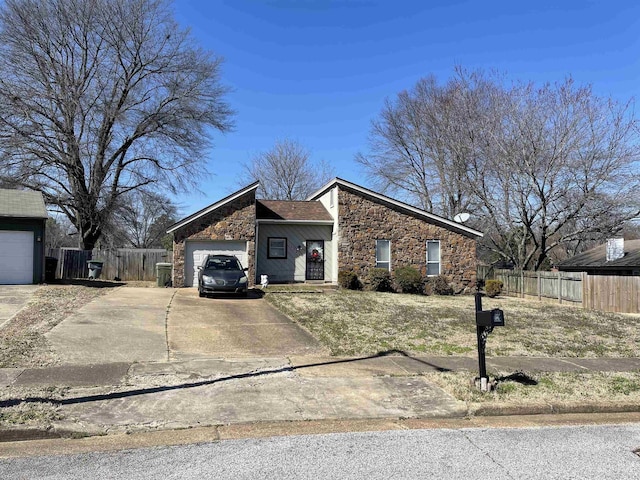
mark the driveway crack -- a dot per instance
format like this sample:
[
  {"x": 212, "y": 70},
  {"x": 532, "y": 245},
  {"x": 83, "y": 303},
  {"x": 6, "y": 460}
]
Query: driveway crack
[{"x": 166, "y": 325}]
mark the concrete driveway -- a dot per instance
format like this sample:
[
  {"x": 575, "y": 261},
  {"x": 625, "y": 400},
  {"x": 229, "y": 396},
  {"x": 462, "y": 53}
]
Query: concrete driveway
[
  {"x": 124, "y": 325},
  {"x": 233, "y": 327},
  {"x": 13, "y": 298},
  {"x": 160, "y": 324}
]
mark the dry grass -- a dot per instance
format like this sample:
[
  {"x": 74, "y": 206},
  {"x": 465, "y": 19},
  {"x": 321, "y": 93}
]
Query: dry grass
[
  {"x": 559, "y": 389},
  {"x": 40, "y": 414},
  {"x": 22, "y": 341},
  {"x": 363, "y": 323}
]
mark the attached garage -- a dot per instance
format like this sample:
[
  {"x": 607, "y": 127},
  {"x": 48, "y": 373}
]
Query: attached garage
[
  {"x": 22, "y": 228},
  {"x": 226, "y": 227},
  {"x": 195, "y": 251}
]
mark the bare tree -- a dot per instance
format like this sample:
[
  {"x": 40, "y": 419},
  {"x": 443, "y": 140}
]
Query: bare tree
[
  {"x": 99, "y": 98},
  {"x": 142, "y": 221},
  {"x": 567, "y": 163},
  {"x": 60, "y": 233},
  {"x": 286, "y": 172},
  {"x": 423, "y": 142},
  {"x": 541, "y": 168}
]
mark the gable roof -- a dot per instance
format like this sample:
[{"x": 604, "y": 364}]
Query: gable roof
[
  {"x": 436, "y": 219},
  {"x": 596, "y": 258},
  {"x": 22, "y": 204},
  {"x": 292, "y": 210},
  {"x": 213, "y": 206}
]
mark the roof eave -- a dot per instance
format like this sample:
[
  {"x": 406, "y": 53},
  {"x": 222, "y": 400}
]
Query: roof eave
[
  {"x": 291, "y": 222},
  {"x": 405, "y": 206}
]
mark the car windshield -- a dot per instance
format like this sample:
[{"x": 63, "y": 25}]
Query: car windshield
[{"x": 223, "y": 264}]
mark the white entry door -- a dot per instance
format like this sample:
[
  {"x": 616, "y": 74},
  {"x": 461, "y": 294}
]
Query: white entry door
[
  {"x": 196, "y": 251},
  {"x": 16, "y": 257}
]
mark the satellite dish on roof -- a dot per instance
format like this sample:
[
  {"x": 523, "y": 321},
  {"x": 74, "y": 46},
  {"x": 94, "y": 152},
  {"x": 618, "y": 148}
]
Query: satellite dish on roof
[{"x": 461, "y": 217}]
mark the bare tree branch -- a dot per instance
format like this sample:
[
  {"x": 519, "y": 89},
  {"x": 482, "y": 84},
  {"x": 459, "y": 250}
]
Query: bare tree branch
[{"x": 101, "y": 97}]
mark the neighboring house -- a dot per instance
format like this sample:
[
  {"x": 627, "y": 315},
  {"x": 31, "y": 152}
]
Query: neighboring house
[
  {"x": 23, "y": 218},
  {"x": 342, "y": 226},
  {"x": 617, "y": 257}
]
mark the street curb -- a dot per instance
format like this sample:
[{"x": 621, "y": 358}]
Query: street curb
[
  {"x": 553, "y": 409},
  {"x": 293, "y": 426}
]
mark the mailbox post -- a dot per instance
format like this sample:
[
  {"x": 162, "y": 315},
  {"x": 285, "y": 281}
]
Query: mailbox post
[{"x": 485, "y": 321}]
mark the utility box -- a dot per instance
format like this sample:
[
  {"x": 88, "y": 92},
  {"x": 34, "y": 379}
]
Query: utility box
[{"x": 163, "y": 274}]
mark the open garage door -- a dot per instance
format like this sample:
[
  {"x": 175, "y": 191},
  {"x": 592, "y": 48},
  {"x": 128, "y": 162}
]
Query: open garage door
[
  {"x": 16, "y": 257},
  {"x": 196, "y": 251}
]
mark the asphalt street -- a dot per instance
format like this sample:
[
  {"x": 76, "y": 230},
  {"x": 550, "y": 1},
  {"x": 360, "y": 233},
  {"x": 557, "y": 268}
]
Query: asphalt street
[{"x": 593, "y": 452}]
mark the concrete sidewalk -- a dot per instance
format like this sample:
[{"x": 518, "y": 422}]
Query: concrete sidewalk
[{"x": 126, "y": 396}]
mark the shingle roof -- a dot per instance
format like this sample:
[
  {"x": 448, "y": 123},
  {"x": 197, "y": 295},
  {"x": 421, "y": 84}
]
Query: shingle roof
[
  {"x": 291, "y": 210},
  {"x": 22, "y": 204},
  {"x": 597, "y": 258}
]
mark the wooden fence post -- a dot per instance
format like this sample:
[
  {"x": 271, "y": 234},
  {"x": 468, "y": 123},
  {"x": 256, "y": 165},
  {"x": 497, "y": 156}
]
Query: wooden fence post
[
  {"x": 560, "y": 287},
  {"x": 539, "y": 287}
]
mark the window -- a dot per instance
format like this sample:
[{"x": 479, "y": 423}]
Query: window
[
  {"x": 433, "y": 257},
  {"x": 383, "y": 254},
  {"x": 277, "y": 248}
]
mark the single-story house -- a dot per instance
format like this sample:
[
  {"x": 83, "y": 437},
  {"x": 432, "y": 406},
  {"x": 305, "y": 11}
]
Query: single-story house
[
  {"x": 342, "y": 226},
  {"x": 616, "y": 257},
  {"x": 23, "y": 219}
]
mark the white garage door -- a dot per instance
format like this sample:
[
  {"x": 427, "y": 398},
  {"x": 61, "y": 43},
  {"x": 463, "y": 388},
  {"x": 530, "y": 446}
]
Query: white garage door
[
  {"x": 196, "y": 251},
  {"x": 16, "y": 258}
]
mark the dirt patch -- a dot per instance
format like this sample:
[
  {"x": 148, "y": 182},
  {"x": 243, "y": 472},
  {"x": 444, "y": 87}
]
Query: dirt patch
[
  {"x": 364, "y": 323},
  {"x": 22, "y": 341}
]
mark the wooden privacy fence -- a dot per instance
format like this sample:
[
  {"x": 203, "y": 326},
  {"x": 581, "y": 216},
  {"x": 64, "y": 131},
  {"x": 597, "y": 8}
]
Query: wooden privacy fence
[
  {"x": 127, "y": 264},
  {"x": 612, "y": 293},
  {"x": 608, "y": 293},
  {"x": 562, "y": 286}
]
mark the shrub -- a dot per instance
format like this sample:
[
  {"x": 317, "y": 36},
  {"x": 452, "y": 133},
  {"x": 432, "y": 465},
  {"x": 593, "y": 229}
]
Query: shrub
[
  {"x": 493, "y": 288},
  {"x": 440, "y": 286},
  {"x": 409, "y": 280},
  {"x": 349, "y": 279},
  {"x": 380, "y": 280}
]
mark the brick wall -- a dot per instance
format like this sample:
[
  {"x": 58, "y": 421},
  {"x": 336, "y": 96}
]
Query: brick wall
[
  {"x": 233, "y": 221},
  {"x": 363, "y": 221}
]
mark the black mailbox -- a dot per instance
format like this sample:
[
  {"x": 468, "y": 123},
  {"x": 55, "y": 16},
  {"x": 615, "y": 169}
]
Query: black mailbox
[{"x": 490, "y": 318}]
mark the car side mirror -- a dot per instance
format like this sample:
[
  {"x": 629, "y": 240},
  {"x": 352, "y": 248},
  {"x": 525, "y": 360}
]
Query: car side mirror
[
  {"x": 199, "y": 267},
  {"x": 245, "y": 269}
]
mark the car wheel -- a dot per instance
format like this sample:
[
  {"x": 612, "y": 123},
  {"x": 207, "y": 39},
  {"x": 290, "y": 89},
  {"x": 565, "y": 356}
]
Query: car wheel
[{"x": 200, "y": 293}]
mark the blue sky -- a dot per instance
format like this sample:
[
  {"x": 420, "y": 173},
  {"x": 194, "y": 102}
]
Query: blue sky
[{"x": 319, "y": 71}]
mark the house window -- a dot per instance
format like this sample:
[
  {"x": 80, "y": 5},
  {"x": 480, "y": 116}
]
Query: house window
[
  {"x": 433, "y": 257},
  {"x": 383, "y": 254},
  {"x": 277, "y": 247}
]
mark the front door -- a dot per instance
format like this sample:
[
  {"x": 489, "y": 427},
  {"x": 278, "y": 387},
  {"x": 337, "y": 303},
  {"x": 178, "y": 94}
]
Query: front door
[{"x": 315, "y": 260}]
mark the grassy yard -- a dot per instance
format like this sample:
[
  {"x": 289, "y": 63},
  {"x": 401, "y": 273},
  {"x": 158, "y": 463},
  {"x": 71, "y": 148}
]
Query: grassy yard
[{"x": 362, "y": 323}]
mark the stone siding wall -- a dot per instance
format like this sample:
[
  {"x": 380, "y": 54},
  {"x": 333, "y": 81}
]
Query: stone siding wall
[
  {"x": 233, "y": 221},
  {"x": 364, "y": 220}
]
